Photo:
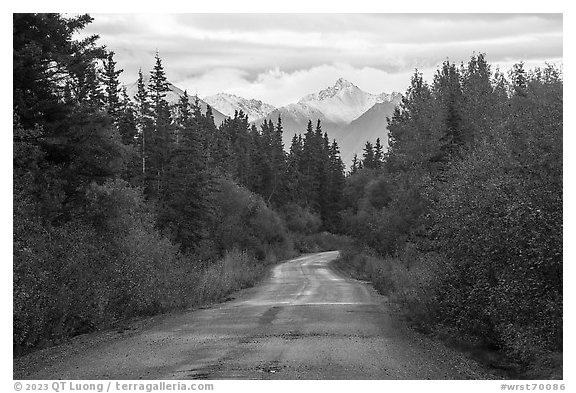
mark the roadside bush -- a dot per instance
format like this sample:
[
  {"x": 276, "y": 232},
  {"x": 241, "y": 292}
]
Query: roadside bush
[
  {"x": 236, "y": 270},
  {"x": 244, "y": 221},
  {"x": 363, "y": 264},
  {"x": 300, "y": 220},
  {"x": 114, "y": 264}
]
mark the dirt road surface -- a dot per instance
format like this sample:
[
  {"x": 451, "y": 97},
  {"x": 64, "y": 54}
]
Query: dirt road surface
[{"x": 305, "y": 321}]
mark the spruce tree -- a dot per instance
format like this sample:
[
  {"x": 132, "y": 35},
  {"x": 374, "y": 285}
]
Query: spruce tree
[
  {"x": 158, "y": 86},
  {"x": 368, "y": 160},
  {"x": 185, "y": 200},
  {"x": 278, "y": 159},
  {"x": 217, "y": 144},
  {"x": 48, "y": 64},
  {"x": 323, "y": 177},
  {"x": 126, "y": 119},
  {"x": 294, "y": 177},
  {"x": 109, "y": 78},
  {"x": 127, "y": 124},
  {"x": 448, "y": 92},
  {"x": 355, "y": 165},
  {"x": 240, "y": 161},
  {"x": 143, "y": 121},
  {"x": 56, "y": 87},
  {"x": 183, "y": 116},
  {"x": 415, "y": 129},
  {"x": 518, "y": 79},
  {"x": 335, "y": 189},
  {"x": 310, "y": 153},
  {"x": 378, "y": 154},
  {"x": 159, "y": 140}
]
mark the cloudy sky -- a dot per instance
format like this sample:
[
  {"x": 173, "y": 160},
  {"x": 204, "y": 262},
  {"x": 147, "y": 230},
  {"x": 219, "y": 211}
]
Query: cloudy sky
[{"x": 279, "y": 58}]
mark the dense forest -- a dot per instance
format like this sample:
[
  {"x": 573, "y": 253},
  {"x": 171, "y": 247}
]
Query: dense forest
[
  {"x": 131, "y": 207},
  {"x": 460, "y": 221},
  {"x": 128, "y": 207}
]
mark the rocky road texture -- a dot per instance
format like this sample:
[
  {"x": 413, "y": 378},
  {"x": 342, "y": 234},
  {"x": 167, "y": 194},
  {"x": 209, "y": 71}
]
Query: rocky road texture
[{"x": 305, "y": 321}]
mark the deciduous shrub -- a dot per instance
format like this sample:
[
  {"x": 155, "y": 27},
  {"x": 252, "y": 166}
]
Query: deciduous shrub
[{"x": 114, "y": 264}]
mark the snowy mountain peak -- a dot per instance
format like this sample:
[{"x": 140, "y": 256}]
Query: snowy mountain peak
[
  {"x": 342, "y": 102},
  {"x": 342, "y": 83},
  {"x": 229, "y": 103},
  {"x": 341, "y": 86}
]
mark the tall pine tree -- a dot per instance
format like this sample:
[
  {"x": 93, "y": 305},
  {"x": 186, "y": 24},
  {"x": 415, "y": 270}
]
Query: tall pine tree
[{"x": 159, "y": 139}]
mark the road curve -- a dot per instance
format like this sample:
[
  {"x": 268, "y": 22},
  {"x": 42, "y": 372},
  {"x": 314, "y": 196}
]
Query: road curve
[{"x": 304, "y": 321}]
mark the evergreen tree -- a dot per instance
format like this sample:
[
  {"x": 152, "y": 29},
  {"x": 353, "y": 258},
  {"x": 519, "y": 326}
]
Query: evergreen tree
[
  {"x": 306, "y": 166},
  {"x": 86, "y": 86},
  {"x": 323, "y": 176},
  {"x": 185, "y": 203},
  {"x": 415, "y": 129},
  {"x": 127, "y": 124},
  {"x": 126, "y": 119},
  {"x": 310, "y": 154},
  {"x": 109, "y": 78},
  {"x": 182, "y": 117},
  {"x": 448, "y": 92},
  {"x": 45, "y": 62},
  {"x": 240, "y": 164},
  {"x": 368, "y": 159},
  {"x": 56, "y": 86},
  {"x": 335, "y": 189},
  {"x": 158, "y": 87},
  {"x": 355, "y": 165},
  {"x": 278, "y": 158},
  {"x": 518, "y": 79},
  {"x": 143, "y": 121},
  {"x": 159, "y": 139},
  {"x": 378, "y": 154},
  {"x": 217, "y": 144},
  {"x": 294, "y": 177}
]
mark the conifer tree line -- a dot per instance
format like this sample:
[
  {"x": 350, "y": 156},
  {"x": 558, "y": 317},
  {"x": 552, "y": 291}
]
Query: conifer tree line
[
  {"x": 181, "y": 142},
  {"x": 175, "y": 152},
  {"x": 372, "y": 157},
  {"x": 462, "y": 216}
]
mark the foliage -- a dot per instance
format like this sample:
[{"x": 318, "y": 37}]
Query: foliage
[
  {"x": 244, "y": 221},
  {"x": 464, "y": 217}
]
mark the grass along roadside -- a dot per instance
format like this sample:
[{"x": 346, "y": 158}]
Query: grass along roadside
[{"x": 168, "y": 286}]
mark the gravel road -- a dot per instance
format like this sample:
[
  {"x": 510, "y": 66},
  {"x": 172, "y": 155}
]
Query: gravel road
[{"x": 305, "y": 321}]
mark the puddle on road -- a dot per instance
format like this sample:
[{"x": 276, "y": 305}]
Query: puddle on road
[{"x": 271, "y": 368}]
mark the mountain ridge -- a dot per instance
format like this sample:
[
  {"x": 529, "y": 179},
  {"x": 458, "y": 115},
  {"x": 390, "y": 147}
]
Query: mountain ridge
[
  {"x": 346, "y": 112},
  {"x": 173, "y": 96},
  {"x": 228, "y": 103}
]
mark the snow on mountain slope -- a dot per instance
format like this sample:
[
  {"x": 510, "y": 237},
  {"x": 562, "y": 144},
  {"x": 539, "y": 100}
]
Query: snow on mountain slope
[
  {"x": 342, "y": 102},
  {"x": 173, "y": 96},
  {"x": 337, "y": 107},
  {"x": 229, "y": 103}
]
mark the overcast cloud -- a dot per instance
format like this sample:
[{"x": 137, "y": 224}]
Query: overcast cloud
[{"x": 279, "y": 58}]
